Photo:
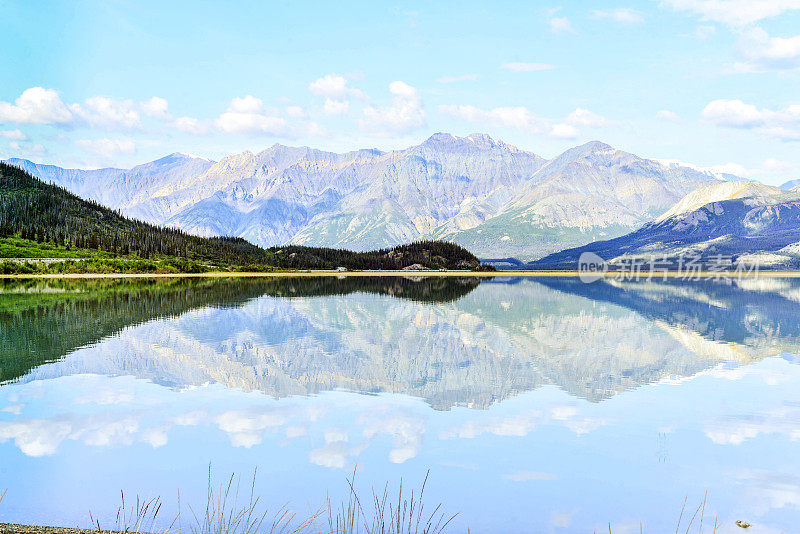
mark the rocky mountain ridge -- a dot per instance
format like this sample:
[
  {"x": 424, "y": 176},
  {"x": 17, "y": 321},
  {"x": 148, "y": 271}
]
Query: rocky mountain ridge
[{"x": 493, "y": 198}]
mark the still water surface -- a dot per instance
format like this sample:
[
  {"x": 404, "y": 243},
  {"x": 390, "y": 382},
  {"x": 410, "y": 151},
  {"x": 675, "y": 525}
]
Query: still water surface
[{"x": 538, "y": 405}]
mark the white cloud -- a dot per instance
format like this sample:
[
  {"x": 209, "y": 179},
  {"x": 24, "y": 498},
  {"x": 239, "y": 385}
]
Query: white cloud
[
  {"x": 621, "y": 15},
  {"x": 35, "y": 437},
  {"x": 523, "y": 119},
  {"x": 584, "y": 117},
  {"x": 36, "y": 105},
  {"x": 189, "y": 125},
  {"x": 461, "y": 78},
  {"x": 776, "y": 166},
  {"x": 782, "y": 124},
  {"x": 736, "y": 430},
  {"x": 760, "y": 52},
  {"x": 733, "y": 113},
  {"x": 14, "y": 135},
  {"x": 667, "y": 115},
  {"x": 312, "y": 129},
  {"x": 334, "y": 86},
  {"x": 105, "y": 112},
  {"x": 43, "y": 437},
  {"x": 335, "y": 107},
  {"x": 406, "y": 429},
  {"x": 246, "y": 428},
  {"x": 27, "y": 149},
  {"x": 247, "y": 115},
  {"x": 105, "y": 396},
  {"x": 156, "y": 107},
  {"x": 769, "y": 168},
  {"x": 563, "y": 131},
  {"x": 333, "y": 455},
  {"x": 403, "y": 116},
  {"x": 246, "y": 104},
  {"x": 523, "y": 424},
  {"x": 734, "y": 12},
  {"x": 516, "y": 66},
  {"x": 730, "y": 168},
  {"x": 107, "y": 147},
  {"x": 513, "y": 117},
  {"x": 765, "y": 491},
  {"x": 560, "y": 25},
  {"x": 296, "y": 112}
]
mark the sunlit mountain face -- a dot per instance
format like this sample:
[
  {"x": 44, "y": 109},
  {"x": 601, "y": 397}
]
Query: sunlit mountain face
[
  {"x": 531, "y": 389},
  {"x": 493, "y": 198}
]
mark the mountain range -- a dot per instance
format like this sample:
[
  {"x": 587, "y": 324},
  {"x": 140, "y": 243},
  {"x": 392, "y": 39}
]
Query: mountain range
[
  {"x": 490, "y": 197},
  {"x": 738, "y": 221}
]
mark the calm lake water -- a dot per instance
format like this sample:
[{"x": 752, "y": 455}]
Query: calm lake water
[{"x": 538, "y": 405}]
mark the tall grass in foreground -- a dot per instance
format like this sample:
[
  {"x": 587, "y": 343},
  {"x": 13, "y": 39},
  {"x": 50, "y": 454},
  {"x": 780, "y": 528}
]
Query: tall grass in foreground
[
  {"x": 139, "y": 516},
  {"x": 388, "y": 515},
  {"x": 229, "y": 510},
  {"x": 226, "y": 512}
]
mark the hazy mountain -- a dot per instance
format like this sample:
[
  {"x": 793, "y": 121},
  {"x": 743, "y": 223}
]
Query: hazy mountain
[
  {"x": 791, "y": 184},
  {"x": 491, "y": 197},
  {"x": 135, "y": 191},
  {"x": 590, "y": 192},
  {"x": 749, "y": 221}
]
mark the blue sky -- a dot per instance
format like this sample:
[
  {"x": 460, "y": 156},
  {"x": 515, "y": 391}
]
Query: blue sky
[{"x": 115, "y": 83}]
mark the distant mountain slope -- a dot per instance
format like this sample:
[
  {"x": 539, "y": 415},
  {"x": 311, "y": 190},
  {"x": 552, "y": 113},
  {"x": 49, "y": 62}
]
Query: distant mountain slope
[
  {"x": 589, "y": 192},
  {"x": 748, "y": 221},
  {"x": 129, "y": 190},
  {"x": 791, "y": 184},
  {"x": 486, "y": 195}
]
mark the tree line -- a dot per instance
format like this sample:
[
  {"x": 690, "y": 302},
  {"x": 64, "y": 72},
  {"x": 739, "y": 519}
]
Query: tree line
[{"x": 34, "y": 210}]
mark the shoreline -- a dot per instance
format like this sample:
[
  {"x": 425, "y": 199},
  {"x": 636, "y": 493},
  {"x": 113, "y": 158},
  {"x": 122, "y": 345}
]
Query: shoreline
[
  {"x": 479, "y": 274},
  {"x": 17, "y": 528}
]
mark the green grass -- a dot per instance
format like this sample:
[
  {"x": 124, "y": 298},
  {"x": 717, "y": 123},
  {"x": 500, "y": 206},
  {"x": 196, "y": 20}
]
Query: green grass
[
  {"x": 84, "y": 260},
  {"x": 16, "y": 247}
]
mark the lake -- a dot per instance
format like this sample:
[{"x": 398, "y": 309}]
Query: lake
[{"x": 535, "y": 404}]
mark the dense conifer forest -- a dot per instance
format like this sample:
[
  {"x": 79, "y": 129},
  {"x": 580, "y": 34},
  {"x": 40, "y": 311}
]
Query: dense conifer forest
[{"x": 46, "y": 221}]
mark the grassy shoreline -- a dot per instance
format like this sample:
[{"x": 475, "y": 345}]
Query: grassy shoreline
[
  {"x": 16, "y": 528},
  {"x": 481, "y": 274}
]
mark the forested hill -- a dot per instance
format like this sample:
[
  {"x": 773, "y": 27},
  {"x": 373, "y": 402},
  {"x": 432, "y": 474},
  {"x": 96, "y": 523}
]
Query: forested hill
[{"x": 34, "y": 212}]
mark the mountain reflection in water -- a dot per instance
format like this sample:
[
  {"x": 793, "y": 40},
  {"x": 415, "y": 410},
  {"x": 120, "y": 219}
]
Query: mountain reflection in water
[{"x": 449, "y": 340}]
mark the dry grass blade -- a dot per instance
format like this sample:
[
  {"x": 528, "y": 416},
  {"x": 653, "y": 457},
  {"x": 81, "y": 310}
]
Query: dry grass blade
[
  {"x": 390, "y": 515},
  {"x": 703, "y": 512},
  {"x": 683, "y": 509},
  {"x": 226, "y": 513},
  {"x": 694, "y": 516},
  {"x": 142, "y": 517}
]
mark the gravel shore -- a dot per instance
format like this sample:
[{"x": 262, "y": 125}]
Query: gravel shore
[{"x": 10, "y": 528}]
